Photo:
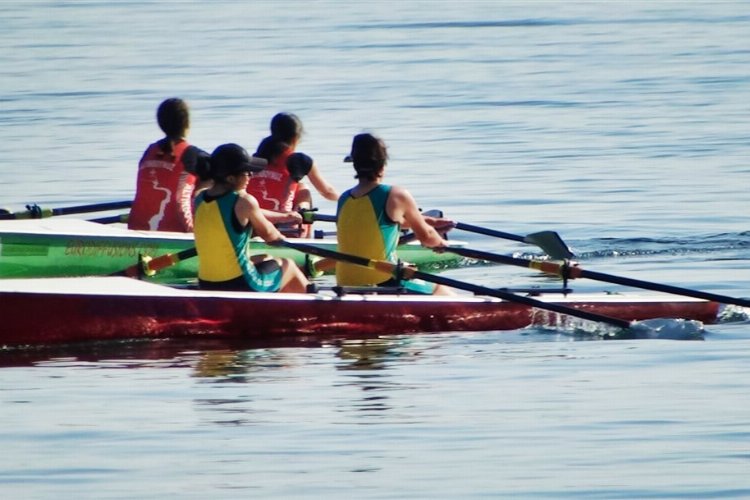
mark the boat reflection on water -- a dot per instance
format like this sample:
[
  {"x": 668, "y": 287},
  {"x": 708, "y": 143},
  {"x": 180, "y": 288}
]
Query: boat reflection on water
[
  {"x": 165, "y": 353},
  {"x": 368, "y": 365},
  {"x": 371, "y": 354},
  {"x": 217, "y": 356}
]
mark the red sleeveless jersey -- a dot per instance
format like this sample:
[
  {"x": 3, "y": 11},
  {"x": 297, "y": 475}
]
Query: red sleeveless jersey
[
  {"x": 164, "y": 190},
  {"x": 273, "y": 187}
]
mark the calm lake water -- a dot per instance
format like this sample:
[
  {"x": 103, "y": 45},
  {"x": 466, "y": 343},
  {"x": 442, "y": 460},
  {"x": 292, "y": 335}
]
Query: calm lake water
[{"x": 621, "y": 125}]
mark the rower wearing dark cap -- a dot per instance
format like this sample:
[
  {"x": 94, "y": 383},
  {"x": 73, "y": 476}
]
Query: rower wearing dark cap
[{"x": 226, "y": 217}]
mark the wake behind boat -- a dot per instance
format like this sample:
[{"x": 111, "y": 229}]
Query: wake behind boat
[
  {"x": 64, "y": 310},
  {"x": 58, "y": 247}
]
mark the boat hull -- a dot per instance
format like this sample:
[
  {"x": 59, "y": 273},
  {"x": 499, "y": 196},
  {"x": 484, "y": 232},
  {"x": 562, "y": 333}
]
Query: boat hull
[
  {"x": 64, "y": 310},
  {"x": 70, "y": 247}
]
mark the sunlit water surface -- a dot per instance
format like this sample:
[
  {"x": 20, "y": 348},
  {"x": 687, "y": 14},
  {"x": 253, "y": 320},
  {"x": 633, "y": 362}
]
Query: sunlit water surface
[{"x": 623, "y": 126}]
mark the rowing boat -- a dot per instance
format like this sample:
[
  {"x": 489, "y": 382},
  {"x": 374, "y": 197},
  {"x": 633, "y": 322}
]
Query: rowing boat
[
  {"x": 58, "y": 247},
  {"x": 64, "y": 310}
]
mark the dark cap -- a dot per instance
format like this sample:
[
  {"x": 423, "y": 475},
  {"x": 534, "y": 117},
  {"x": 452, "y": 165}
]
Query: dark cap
[{"x": 231, "y": 158}]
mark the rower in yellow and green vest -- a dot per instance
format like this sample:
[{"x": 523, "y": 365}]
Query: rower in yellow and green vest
[{"x": 370, "y": 217}]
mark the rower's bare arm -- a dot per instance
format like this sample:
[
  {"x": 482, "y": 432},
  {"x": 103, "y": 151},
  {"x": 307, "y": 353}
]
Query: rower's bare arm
[
  {"x": 321, "y": 185},
  {"x": 282, "y": 217},
  {"x": 248, "y": 210},
  {"x": 406, "y": 212}
]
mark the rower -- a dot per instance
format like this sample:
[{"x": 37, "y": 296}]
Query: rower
[
  {"x": 370, "y": 216},
  {"x": 226, "y": 217},
  {"x": 279, "y": 188},
  {"x": 164, "y": 187}
]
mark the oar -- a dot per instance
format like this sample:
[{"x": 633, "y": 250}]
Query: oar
[
  {"x": 36, "y": 212},
  {"x": 148, "y": 266},
  {"x": 549, "y": 241},
  {"x": 114, "y": 219},
  {"x": 410, "y": 273},
  {"x": 566, "y": 271},
  {"x": 311, "y": 215}
]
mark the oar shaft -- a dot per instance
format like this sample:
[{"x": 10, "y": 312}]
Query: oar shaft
[
  {"x": 114, "y": 219},
  {"x": 319, "y": 234},
  {"x": 658, "y": 287},
  {"x": 101, "y": 207},
  {"x": 511, "y": 297},
  {"x": 326, "y": 253},
  {"x": 577, "y": 272},
  {"x": 36, "y": 212},
  {"x": 549, "y": 267},
  {"x": 323, "y": 217},
  {"x": 391, "y": 268},
  {"x": 489, "y": 232}
]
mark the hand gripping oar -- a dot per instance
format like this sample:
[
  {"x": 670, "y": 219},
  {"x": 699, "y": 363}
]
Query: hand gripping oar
[
  {"x": 36, "y": 212},
  {"x": 409, "y": 273},
  {"x": 567, "y": 271}
]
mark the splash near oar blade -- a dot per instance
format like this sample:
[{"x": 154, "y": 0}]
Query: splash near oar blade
[{"x": 411, "y": 273}]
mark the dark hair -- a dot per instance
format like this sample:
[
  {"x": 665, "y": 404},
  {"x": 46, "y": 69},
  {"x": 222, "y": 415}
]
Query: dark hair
[
  {"x": 369, "y": 155},
  {"x": 286, "y": 127},
  {"x": 269, "y": 149},
  {"x": 173, "y": 117}
]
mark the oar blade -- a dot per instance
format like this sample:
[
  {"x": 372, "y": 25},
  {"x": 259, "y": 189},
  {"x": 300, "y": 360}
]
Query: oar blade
[{"x": 552, "y": 244}]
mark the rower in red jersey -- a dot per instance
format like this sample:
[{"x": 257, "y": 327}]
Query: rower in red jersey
[
  {"x": 279, "y": 188},
  {"x": 164, "y": 187}
]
